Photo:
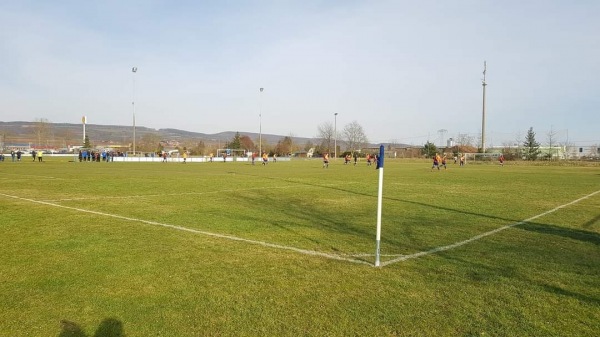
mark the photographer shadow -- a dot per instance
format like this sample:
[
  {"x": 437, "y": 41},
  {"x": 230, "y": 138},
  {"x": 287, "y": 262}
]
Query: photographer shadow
[{"x": 109, "y": 327}]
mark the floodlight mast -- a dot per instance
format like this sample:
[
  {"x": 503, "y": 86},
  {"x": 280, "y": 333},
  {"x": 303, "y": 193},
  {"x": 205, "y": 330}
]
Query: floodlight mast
[
  {"x": 260, "y": 121},
  {"x": 483, "y": 84},
  {"x": 335, "y": 136},
  {"x": 133, "y": 71}
]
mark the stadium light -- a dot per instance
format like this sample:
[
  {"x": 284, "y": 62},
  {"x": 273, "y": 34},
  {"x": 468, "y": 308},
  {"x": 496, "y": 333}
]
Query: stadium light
[
  {"x": 483, "y": 84},
  {"x": 260, "y": 122},
  {"x": 335, "y": 136},
  {"x": 133, "y": 71}
]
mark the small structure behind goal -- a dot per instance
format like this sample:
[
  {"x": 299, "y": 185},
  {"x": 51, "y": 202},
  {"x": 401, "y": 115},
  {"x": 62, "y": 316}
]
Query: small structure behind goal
[
  {"x": 233, "y": 153},
  {"x": 481, "y": 157}
]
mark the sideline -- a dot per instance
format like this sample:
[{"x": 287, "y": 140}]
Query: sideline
[{"x": 216, "y": 235}]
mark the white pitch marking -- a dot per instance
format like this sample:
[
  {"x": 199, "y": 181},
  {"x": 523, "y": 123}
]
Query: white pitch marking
[
  {"x": 477, "y": 237},
  {"x": 221, "y": 236},
  {"x": 310, "y": 252}
]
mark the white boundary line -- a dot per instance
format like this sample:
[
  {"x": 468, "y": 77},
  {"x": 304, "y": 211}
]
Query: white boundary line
[
  {"x": 305, "y": 251},
  {"x": 221, "y": 236},
  {"x": 480, "y": 236}
]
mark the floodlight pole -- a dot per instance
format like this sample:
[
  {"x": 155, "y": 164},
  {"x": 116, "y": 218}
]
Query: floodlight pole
[
  {"x": 260, "y": 122},
  {"x": 335, "y": 136},
  {"x": 133, "y": 71},
  {"x": 483, "y": 110}
]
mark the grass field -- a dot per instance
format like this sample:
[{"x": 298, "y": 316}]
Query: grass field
[{"x": 287, "y": 249}]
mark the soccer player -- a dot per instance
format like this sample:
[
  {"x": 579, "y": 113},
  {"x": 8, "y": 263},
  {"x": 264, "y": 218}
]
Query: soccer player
[
  {"x": 436, "y": 162},
  {"x": 326, "y": 160},
  {"x": 265, "y": 158}
]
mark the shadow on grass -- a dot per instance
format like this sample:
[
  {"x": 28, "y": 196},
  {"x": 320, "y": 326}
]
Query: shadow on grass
[
  {"x": 109, "y": 327},
  {"x": 481, "y": 273},
  {"x": 570, "y": 233},
  {"x": 591, "y": 222},
  {"x": 580, "y": 297},
  {"x": 291, "y": 207},
  {"x": 547, "y": 229},
  {"x": 328, "y": 219},
  {"x": 434, "y": 206}
]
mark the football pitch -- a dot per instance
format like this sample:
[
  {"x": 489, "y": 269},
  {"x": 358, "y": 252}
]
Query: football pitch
[{"x": 288, "y": 249}]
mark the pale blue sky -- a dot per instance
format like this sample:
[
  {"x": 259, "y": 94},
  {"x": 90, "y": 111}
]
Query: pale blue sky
[{"x": 401, "y": 69}]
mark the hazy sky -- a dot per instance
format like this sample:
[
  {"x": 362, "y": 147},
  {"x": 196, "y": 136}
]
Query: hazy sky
[{"x": 404, "y": 70}]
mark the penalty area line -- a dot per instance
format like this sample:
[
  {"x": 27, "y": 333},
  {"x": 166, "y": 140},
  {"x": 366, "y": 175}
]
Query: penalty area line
[
  {"x": 480, "y": 236},
  {"x": 195, "y": 231}
]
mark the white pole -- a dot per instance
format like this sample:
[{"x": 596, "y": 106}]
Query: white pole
[
  {"x": 133, "y": 71},
  {"x": 483, "y": 110},
  {"x": 379, "y": 204},
  {"x": 260, "y": 122},
  {"x": 335, "y": 136},
  {"x": 83, "y": 121}
]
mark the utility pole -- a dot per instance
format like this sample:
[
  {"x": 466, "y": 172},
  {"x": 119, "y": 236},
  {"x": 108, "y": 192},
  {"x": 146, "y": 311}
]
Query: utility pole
[{"x": 483, "y": 110}]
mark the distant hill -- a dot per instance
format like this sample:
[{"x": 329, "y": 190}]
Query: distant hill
[{"x": 63, "y": 134}]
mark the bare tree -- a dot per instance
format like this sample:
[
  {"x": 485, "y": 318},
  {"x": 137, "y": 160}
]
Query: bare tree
[
  {"x": 65, "y": 136},
  {"x": 284, "y": 146},
  {"x": 5, "y": 136},
  {"x": 149, "y": 142},
  {"x": 464, "y": 139},
  {"x": 355, "y": 137},
  {"x": 594, "y": 150},
  {"x": 197, "y": 147},
  {"x": 308, "y": 145},
  {"x": 42, "y": 129},
  {"x": 291, "y": 149},
  {"x": 325, "y": 132},
  {"x": 551, "y": 142},
  {"x": 247, "y": 143},
  {"x": 518, "y": 143}
]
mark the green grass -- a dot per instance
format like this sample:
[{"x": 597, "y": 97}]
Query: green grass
[{"x": 85, "y": 265}]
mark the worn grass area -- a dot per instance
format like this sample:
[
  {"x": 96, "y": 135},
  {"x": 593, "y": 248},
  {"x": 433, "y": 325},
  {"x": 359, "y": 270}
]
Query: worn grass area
[{"x": 101, "y": 248}]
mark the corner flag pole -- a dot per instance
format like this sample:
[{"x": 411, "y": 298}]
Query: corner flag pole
[{"x": 379, "y": 200}]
